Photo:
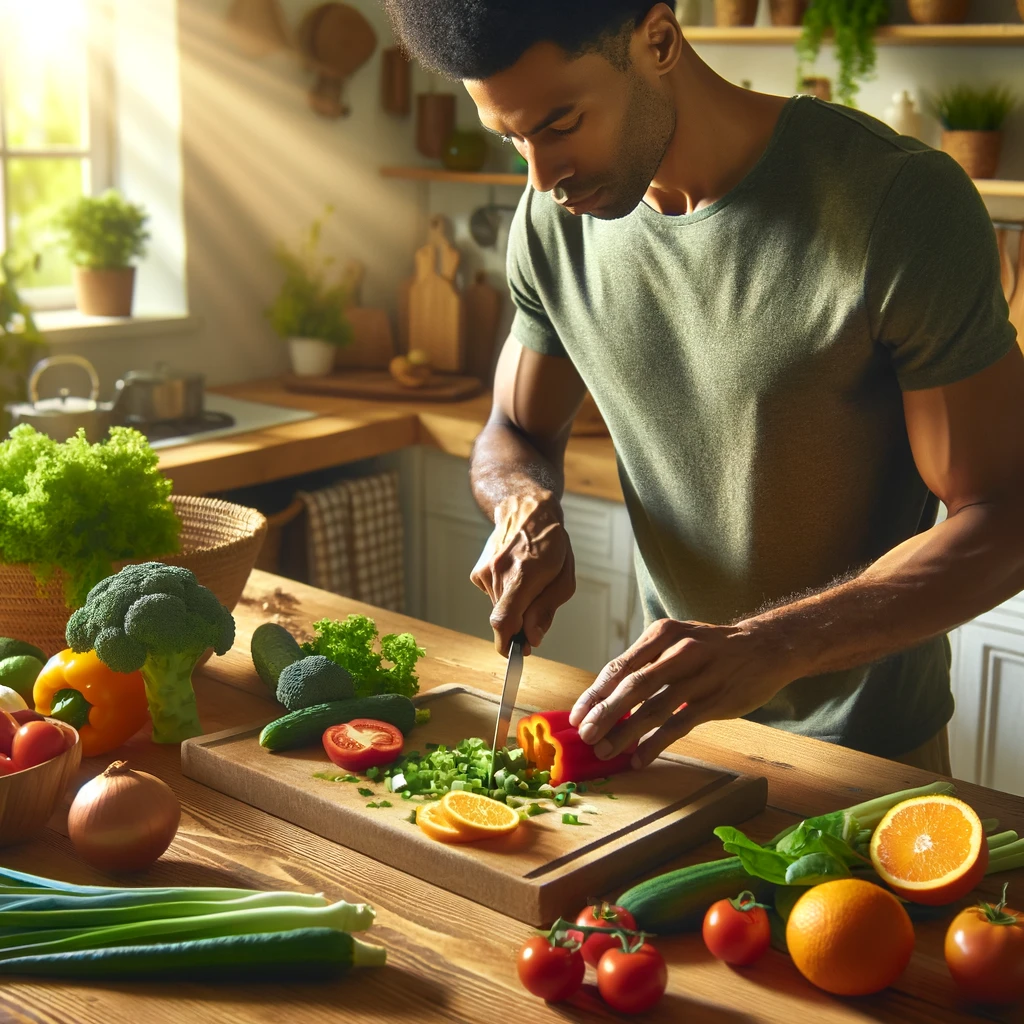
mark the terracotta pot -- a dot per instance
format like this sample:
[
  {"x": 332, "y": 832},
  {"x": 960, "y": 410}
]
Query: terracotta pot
[
  {"x": 820, "y": 87},
  {"x": 787, "y": 13},
  {"x": 735, "y": 13},
  {"x": 435, "y": 122},
  {"x": 104, "y": 292},
  {"x": 938, "y": 12},
  {"x": 976, "y": 152}
]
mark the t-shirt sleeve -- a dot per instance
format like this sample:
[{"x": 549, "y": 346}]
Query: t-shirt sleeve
[
  {"x": 932, "y": 286},
  {"x": 531, "y": 325}
]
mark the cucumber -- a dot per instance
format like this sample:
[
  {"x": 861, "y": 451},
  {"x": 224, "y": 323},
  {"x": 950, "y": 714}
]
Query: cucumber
[
  {"x": 273, "y": 650},
  {"x": 304, "y": 728},
  {"x": 678, "y": 900},
  {"x": 283, "y": 956}
]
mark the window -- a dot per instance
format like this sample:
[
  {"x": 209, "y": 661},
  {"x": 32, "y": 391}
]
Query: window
[{"x": 54, "y": 134}]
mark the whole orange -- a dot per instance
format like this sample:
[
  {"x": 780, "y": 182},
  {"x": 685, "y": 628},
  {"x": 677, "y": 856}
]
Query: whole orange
[{"x": 849, "y": 937}]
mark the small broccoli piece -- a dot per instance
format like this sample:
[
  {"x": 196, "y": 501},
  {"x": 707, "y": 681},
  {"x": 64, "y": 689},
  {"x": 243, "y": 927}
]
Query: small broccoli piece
[
  {"x": 313, "y": 680},
  {"x": 160, "y": 619}
]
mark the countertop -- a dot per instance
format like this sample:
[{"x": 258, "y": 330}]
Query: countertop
[
  {"x": 347, "y": 430},
  {"x": 450, "y": 959}
]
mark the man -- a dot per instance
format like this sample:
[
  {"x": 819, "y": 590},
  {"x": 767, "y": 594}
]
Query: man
[{"x": 791, "y": 321}]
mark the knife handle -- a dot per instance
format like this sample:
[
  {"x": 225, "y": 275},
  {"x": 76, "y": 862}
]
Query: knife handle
[{"x": 519, "y": 638}]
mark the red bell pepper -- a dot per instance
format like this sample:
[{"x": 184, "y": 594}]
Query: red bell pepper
[{"x": 553, "y": 745}]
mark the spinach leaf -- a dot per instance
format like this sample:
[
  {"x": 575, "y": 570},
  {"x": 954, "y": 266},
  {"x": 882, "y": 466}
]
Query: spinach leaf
[
  {"x": 815, "y": 868},
  {"x": 756, "y": 860}
]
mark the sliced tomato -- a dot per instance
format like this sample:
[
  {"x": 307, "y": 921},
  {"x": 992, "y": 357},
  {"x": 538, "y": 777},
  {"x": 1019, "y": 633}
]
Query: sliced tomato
[{"x": 363, "y": 743}]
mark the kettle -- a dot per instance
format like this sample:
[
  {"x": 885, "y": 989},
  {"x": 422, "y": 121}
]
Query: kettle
[
  {"x": 159, "y": 395},
  {"x": 61, "y": 417}
]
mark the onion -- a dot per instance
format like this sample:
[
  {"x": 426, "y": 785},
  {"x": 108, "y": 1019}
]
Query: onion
[{"x": 123, "y": 820}]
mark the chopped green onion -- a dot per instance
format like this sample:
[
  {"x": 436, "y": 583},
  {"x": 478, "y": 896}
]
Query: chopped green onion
[
  {"x": 372, "y": 804},
  {"x": 365, "y": 792},
  {"x": 571, "y": 819},
  {"x": 384, "y": 803}
]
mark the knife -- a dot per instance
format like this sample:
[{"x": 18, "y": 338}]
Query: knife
[{"x": 509, "y": 692}]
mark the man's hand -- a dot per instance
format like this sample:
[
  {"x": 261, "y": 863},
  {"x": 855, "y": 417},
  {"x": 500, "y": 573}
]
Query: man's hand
[
  {"x": 526, "y": 569},
  {"x": 681, "y": 674}
]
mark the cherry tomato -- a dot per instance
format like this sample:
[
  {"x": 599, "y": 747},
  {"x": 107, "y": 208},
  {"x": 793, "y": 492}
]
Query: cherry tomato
[
  {"x": 737, "y": 931},
  {"x": 6, "y": 765},
  {"x": 604, "y": 915},
  {"x": 36, "y": 742},
  {"x": 70, "y": 737},
  {"x": 9, "y": 725},
  {"x": 985, "y": 953},
  {"x": 26, "y": 715},
  {"x": 362, "y": 743},
  {"x": 551, "y": 972},
  {"x": 632, "y": 982}
]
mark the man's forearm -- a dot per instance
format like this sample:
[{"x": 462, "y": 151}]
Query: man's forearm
[
  {"x": 507, "y": 469},
  {"x": 925, "y": 586}
]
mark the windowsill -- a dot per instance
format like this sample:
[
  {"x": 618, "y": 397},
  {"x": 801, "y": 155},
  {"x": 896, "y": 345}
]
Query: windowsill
[{"x": 66, "y": 326}]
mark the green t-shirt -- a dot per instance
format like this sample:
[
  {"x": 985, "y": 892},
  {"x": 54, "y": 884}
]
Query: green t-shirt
[{"x": 749, "y": 360}]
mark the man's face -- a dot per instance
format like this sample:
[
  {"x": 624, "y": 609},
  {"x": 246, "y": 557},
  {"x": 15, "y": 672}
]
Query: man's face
[{"x": 592, "y": 134}]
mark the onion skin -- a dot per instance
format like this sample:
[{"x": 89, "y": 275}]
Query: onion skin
[{"x": 123, "y": 820}]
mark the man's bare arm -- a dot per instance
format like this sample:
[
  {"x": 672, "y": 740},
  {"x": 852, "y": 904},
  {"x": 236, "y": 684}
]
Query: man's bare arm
[{"x": 516, "y": 473}]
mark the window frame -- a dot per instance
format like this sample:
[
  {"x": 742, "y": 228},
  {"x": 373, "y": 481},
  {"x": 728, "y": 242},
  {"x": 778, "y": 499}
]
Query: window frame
[{"x": 99, "y": 155}]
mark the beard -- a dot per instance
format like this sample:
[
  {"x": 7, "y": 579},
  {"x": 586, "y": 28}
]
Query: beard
[{"x": 647, "y": 130}]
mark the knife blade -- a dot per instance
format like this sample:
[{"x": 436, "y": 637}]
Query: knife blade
[{"x": 509, "y": 692}]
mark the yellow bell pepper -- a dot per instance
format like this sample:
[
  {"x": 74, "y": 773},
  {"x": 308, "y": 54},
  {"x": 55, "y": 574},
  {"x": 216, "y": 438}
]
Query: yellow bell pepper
[{"x": 106, "y": 707}]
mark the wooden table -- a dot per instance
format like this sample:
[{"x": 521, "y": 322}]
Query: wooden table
[
  {"x": 346, "y": 430},
  {"x": 448, "y": 958}
]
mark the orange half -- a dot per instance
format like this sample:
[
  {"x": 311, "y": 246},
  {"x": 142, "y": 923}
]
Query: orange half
[
  {"x": 930, "y": 849},
  {"x": 477, "y": 816},
  {"x": 432, "y": 819}
]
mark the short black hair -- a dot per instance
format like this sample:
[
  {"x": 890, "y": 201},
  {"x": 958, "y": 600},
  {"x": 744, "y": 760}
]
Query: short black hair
[{"x": 475, "y": 39}]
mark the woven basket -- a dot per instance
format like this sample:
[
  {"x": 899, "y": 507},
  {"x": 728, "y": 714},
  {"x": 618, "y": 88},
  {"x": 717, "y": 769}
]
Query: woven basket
[
  {"x": 976, "y": 152},
  {"x": 938, "y": 12},
  {"x": 219, "y": 543}
]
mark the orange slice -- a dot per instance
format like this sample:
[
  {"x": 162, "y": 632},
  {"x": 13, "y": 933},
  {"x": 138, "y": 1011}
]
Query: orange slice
[
  {"x": 432, "y": 819},
  {"x": 477, "y": 816},
  {"x": 930, "y": 849}
]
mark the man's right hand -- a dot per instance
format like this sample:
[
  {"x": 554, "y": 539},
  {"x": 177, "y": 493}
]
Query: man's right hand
[{"x": 527, "y": 569}]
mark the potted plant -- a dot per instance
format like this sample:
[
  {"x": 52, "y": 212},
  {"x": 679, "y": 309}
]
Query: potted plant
[
  {"x": 102, "y": 235},
  {"x": 21, "y": 344},
  {"x": 853, "y": 22},
  {"x": 309, "y": 312},
  {"x": 735, "y": 13},
  {"x": 972, "y": 121},
  {"x": 938, "y": 12}
]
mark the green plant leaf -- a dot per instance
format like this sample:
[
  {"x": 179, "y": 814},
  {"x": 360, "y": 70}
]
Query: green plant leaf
[
  {"x": 815, "y": 868},
  {"x": 756, "y": 860}
]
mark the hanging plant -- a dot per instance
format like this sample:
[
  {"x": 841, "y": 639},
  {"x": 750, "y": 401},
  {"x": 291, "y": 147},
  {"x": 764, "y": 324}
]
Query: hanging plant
[{"x": 853, "y": 23}]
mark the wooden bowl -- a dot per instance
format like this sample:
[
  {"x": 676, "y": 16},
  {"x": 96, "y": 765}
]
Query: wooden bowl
[{"x": 29, "y": 797}]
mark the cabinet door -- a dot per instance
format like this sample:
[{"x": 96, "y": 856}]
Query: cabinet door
[
  {"x": 452, "y": 548},
  {"x": 988, "y": 684}
]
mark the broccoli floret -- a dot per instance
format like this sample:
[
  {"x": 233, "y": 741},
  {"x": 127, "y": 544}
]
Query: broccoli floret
[
  {"x": 313, "y": 680},
  {"x": 160, "y": 619}
]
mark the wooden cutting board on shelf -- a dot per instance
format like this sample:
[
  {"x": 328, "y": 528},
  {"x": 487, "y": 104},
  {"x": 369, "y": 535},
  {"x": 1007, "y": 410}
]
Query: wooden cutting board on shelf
[
  {"x": 435, "y": 306},
  {"x": 542, "y": 870},
  {"x": 1017, "y": 299},
  {"x": 380, "y": 385},
  {"x": 482, "y": 308}
]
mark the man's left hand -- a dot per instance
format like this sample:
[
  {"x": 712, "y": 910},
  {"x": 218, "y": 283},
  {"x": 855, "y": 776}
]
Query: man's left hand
[{"x": 681, "y": 674}]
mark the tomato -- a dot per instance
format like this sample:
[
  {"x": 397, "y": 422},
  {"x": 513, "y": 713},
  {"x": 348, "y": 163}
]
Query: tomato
[
  {"x": 362, "y": 743},
  {"x": 36, "y": 742},
  {"x": 70, "y": 737},
  {"x": 737, "y": 931},
  {"x": 26, "y": 715},
  {"x": 632, "y": 982},
  {"x": 985, "y": 953},
  {"x": 6, "y": 765},
  {"x": 552, "y": 972},
  {"x": 8, "y": 727},
  {"x": 604, "y": 915}
]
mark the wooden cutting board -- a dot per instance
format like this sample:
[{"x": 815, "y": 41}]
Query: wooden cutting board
[
  {"x": 372, "y": 346},
  {"x": 544, "y": 869},
  {"x": 435, "y": 306},
  {"x": 379, "y": 385},
  {"x": 1017, "y": 299},
  {"x": 482, "y": 306}
]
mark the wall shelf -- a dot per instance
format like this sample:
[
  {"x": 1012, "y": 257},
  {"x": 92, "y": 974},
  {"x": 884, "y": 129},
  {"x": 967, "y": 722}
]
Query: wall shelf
[
  {"x": 1001, "y": 189},
  {"x": 901, "y": 35},
  {"x": 460, "y": 177}
]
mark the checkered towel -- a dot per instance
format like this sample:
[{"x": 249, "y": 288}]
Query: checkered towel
[{"x": 354, "y": 538}]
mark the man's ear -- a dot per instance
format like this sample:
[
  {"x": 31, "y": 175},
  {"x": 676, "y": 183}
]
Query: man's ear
[{"x": 657, "y": 41}]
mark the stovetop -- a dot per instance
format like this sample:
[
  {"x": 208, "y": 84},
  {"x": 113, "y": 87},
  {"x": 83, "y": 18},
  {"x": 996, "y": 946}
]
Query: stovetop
[{"x": 223, "y": 416}]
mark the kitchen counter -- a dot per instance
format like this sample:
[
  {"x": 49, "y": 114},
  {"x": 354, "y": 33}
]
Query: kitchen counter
[
  {"x": 347, "y": 430},
  {"x": 448, "y": 958}
]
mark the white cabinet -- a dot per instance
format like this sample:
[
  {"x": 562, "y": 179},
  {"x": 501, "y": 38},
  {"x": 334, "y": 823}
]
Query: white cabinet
[
  {"x": 988, "y": 685},
  {"x": 600, "y": 621}
]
